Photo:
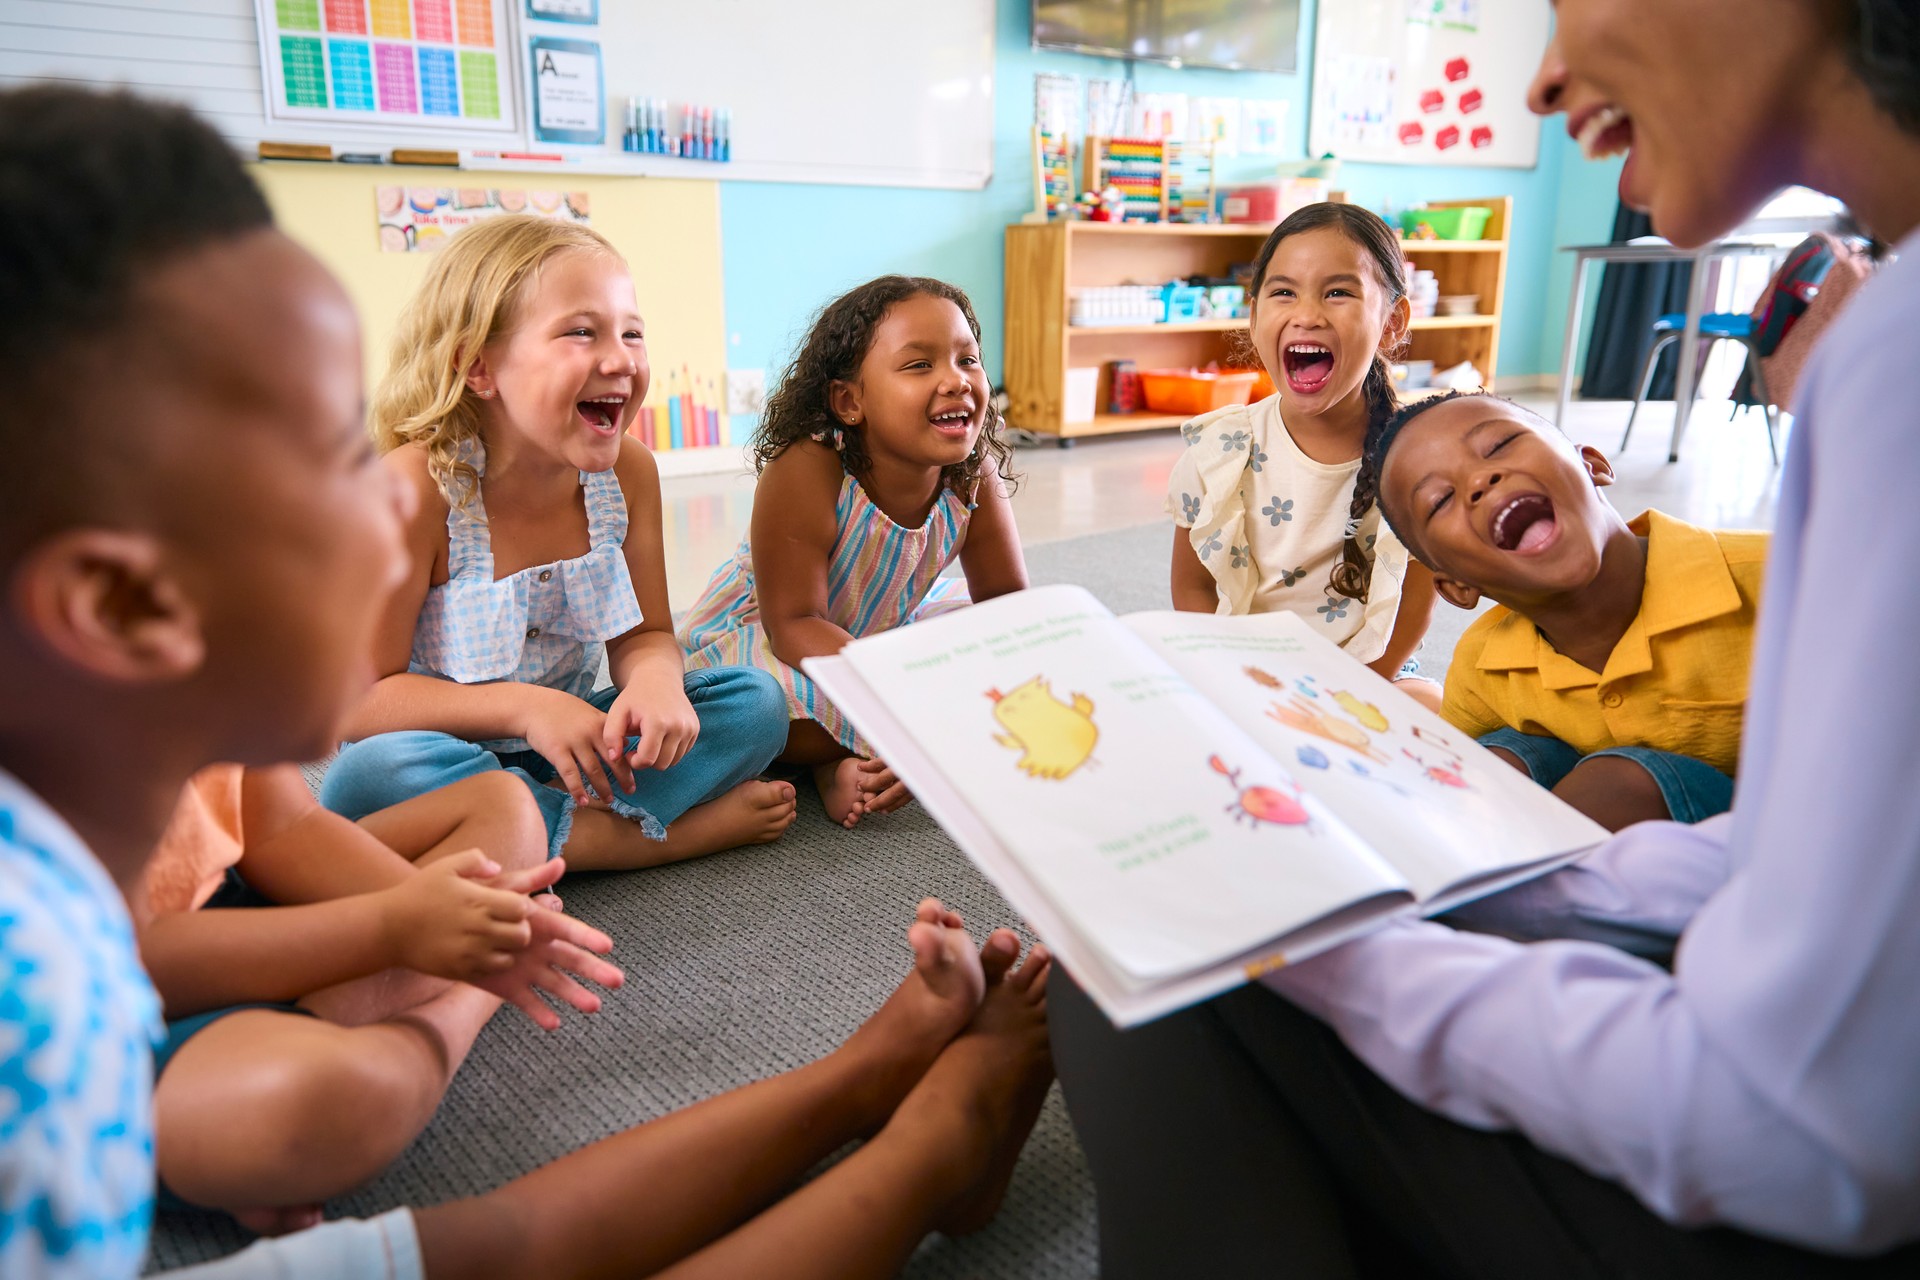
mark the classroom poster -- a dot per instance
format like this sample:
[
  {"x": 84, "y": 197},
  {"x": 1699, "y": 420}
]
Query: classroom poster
[
  {"x": 569, "y": 95},
  {"x": 424, "y": 219},
  {"x": 419, "y": 63},
  {"x": 1427, "y": 81}
]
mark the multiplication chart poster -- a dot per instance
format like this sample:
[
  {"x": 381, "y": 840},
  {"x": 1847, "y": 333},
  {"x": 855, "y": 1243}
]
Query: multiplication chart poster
[{"x": 437, "y": 63}]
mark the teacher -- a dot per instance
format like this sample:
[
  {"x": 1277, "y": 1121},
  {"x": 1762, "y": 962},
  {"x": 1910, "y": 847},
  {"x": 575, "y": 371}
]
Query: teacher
[{"x": 1427, "y": 1101}]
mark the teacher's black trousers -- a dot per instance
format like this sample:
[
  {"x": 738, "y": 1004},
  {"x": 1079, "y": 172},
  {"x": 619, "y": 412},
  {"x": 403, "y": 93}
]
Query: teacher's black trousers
[{"x": 1241, "y": 1138}]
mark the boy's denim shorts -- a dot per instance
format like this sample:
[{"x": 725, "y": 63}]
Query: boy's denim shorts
[{"x": 1692, "y": 789}]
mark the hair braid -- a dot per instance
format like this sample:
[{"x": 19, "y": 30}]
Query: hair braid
[{"x": 1352, "y": 574}]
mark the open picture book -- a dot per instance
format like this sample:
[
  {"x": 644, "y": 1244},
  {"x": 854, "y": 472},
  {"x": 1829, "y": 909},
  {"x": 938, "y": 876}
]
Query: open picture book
[{"x": 1177, "y": 802}]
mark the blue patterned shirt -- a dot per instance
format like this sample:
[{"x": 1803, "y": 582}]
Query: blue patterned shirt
[{"x": 78, "y": 1019}]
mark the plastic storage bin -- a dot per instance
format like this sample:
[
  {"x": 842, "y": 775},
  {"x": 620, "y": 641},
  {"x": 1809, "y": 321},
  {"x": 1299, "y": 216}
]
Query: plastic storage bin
[
  {"x": 1195, "y": 391},
  {"x": 1182, "y": 302},
  {"x": 1468, "y": 222}
]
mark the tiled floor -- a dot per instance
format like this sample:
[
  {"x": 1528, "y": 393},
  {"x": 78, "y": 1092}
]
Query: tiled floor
[{"x": 1724, "y": 479}]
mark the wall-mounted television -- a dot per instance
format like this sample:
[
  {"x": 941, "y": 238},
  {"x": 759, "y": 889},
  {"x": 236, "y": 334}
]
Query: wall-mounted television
[{"x": 1237, "y": 35}]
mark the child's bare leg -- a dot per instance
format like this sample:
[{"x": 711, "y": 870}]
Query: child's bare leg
[
  {"x": 754, "y": 812},
  {"x": 644, "y": 1198},
  {"x": 1422, "y": 690},
  {"x": 1501, "y": 753},
  {"x": 942, "y": 1162},
  {"x": 264, "y": 1110},
  {"x": 1613, "y": 791},
  {"x": 836, "y": 770},
  {"x": 489, "y": 811}
]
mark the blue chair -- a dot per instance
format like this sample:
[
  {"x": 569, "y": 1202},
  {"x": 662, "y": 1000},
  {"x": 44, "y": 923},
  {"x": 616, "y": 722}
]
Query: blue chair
[{"x": 1721, "y": 326}]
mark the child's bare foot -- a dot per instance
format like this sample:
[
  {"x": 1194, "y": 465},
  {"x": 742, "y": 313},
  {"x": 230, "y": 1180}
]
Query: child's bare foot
[
  {"x": 881, "y": 791},
  {"x": 755, "y": 812},
  {"x": 978, "y": 1102},
  {"x": 935, "y": 1003},
  {"x": 278, "y": 1220},
  {"x": 839, "y": 783}
]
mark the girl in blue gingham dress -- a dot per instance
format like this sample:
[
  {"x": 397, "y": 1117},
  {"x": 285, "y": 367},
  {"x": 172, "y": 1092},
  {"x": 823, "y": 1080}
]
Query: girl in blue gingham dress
[{"x": 514, "y": 373}]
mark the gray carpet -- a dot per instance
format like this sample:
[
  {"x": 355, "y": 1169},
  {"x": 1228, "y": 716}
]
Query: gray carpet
[{"x": 742, "y": 965}]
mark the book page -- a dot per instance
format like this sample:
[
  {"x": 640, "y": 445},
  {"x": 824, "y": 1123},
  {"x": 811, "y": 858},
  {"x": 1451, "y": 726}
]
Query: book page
[
  {"x": 1162, "y": 832},
  {"x": 1443, "y": 810},
  {"x": 1125, "y": 1000}
]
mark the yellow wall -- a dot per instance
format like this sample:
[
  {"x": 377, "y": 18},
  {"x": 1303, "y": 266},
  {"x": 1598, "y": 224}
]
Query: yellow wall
[{"x": 668, "y": 229}]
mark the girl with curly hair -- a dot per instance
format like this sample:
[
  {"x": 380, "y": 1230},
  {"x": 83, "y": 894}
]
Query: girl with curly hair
[
  {"x": 536, "y": 552},
  {"x": 881, "y": 461}
]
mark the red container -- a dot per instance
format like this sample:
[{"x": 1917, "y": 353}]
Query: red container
[
  {"x": 1472, "y": 100},
  {"x": 1194, "y": 391},
  {"x": 1252, "y": 204},
  {"x": 1412, "y": 133},
  {"x": 1447, "y": 137}
]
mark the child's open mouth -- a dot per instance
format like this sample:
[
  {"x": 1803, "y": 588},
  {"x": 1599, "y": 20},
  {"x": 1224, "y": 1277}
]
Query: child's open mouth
[
  {"x": 955, "y": 423},
  {"x": 1525, "y": 524},
  {"x": 1308, "y": 366},
  {"x": 602, "y": 413}
]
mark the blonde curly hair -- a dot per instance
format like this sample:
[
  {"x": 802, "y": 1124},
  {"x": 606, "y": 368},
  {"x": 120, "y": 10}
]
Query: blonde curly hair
[{"x": 469, "y": 298}]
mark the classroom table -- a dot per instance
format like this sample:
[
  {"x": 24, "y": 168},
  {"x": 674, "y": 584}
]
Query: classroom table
[{"x": 1652, "y": 251}]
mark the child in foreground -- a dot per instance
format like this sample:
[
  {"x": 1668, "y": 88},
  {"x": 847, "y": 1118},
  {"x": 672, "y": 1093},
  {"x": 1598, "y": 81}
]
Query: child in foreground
[
  {"x": 332, "y": 1025},
  {"x": 1274, "y": 500},
  {"x": 881, "y": 461},
  {"x": 535, "y": 553},
  {"x": 149, "y": 590},
  {"x": 1614, "y": 669}
]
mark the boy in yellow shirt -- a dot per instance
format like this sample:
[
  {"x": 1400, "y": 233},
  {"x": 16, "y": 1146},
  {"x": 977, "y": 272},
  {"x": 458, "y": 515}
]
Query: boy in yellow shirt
[{"x": 1614, "y": 669}]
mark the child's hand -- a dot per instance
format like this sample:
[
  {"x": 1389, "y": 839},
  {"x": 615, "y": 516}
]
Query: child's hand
[
  {"x": 880, "y": 790},
  {"x": 446, "y": 920},
  {"x": 658, "y": 713},
  {"x": 560, "y": 946},
  {"x": 567, "y": 732}
]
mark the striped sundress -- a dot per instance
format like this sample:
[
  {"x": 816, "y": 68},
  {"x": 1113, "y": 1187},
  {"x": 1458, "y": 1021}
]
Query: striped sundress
[{"x": 879, "y": 577}]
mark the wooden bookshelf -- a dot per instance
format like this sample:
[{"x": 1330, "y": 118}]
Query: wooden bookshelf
[
  {"x": 1045, "y": 261},
  {"x": 1464, "y": 266}
]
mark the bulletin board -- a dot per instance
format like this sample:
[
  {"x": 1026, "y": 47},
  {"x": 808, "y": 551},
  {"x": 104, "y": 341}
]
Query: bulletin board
[
  {"x": 428, "y": 64},
  {"x": 1427, "y": 81}
]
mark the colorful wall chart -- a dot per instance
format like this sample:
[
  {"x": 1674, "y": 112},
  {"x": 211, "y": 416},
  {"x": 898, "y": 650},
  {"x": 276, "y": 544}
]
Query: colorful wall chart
[
  {"x": 1427, "y": 81},
  {"x": 423, "y": 219},
  {"x": 438, "y": 63}
]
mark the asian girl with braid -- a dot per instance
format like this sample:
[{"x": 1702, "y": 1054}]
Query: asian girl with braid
[{"x": 1274, "y": 500}]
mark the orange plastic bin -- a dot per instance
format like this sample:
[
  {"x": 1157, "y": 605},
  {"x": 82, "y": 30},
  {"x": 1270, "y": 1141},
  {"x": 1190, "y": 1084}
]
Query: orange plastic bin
[{"x": 1195, "y": 391}]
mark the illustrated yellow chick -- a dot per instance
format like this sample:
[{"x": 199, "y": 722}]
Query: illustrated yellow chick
[
  {"x": 1053, "y": 737},
  {"x": 1365, "y": 713}
]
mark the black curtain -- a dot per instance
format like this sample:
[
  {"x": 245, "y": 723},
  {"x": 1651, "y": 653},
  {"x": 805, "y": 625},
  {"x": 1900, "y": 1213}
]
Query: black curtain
[{"x": 1632, "y": 296}]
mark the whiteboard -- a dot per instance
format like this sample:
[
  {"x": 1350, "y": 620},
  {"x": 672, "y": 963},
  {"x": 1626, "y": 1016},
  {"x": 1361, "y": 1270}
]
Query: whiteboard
[
  {"x": 870, "y": 92},
  {"x": 1427, "y": 81}
]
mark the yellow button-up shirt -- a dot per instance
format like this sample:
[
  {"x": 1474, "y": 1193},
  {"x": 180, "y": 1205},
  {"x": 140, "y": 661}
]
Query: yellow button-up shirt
[{"x": 1676, "y": 681}]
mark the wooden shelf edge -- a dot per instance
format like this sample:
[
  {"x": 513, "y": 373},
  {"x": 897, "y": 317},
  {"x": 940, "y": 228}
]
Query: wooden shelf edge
[
  {"x": 1168, "y": 228},
  {"x": 1454, "y": 246},
  {"x": 1454, "y": 321},
  {"x": 1178, "y": 326}
]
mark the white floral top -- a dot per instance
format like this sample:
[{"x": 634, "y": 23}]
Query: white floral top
[{"x": 1268, "y": 522}]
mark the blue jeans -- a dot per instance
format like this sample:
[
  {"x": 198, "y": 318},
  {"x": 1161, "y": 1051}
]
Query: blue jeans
[
  {"x": 743, "y": 726},
  {"x": 1692, "y": 789}
]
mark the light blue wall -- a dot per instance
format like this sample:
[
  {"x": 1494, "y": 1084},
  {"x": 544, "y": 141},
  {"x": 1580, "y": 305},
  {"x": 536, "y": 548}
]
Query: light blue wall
[
  {"x": 789, "y": 248},
  {"x": 1589, "y": 195}
]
